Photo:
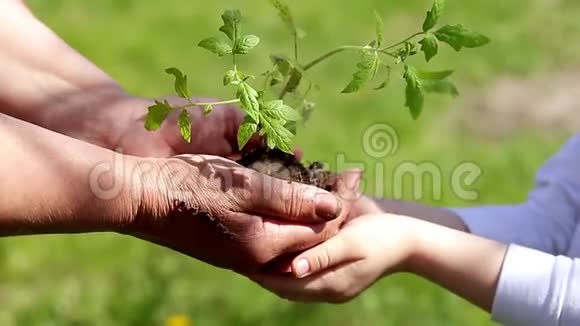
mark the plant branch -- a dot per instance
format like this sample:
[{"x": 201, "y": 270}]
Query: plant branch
[
  {"x": 295, "y": 47},
  {"x": 192, "y": 104},
  {"x": 357, "y": 47},
  {"x": 403, "y": 41},
  {"x": 331, "y": 53}
]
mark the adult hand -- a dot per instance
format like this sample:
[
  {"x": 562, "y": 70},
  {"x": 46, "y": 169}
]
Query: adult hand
[
  {"x": 232, "y": 217},
  {"x": 116, "y": 121}
]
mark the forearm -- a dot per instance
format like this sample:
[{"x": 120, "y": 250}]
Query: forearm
[
  {"x": 55, "y": 184},
  {"x": 435, "y": 215},
  {"x": 467, "y": 265},
  {"x": 45, "y": 81}
]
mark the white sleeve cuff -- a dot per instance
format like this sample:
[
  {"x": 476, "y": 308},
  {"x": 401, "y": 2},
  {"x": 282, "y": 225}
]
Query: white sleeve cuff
[{"x": 537, "y": 289}]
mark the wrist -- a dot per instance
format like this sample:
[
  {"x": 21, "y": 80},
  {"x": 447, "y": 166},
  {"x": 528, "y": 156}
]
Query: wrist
[
  {"x": 114, "y": 187},
  {"x": 95, "y": 116},
  {"x": 419, "y": 235},
  {"x": 157, "y": 185}
]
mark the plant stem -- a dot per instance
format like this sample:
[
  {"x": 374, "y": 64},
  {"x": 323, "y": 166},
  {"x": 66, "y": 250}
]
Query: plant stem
[
  {"x": 403, "y": 41},
  {"x": 343, "y": 48},
  {"x": 191, "y": 104},
  {"x": 330, "y": 54},
  {"x": 357, "y": 47},
  {"x": 295, "y": 47}
]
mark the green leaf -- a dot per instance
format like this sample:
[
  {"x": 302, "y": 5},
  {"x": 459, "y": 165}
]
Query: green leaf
[
  {"x": 232, "y": 20},
  {"x": 292, "y": 126},
  {"x": 379, "y": 25},
  {"x": 231, "y": 77},
  {"x": 440, "y": 86},
  {"x": 434, "y": 75},
  {"x": 433, "y": 15},
  {"x": 387, "y": 79},
  {"x": 429, "y": 46},
  {"x": 285, "y": 16},
  {"x": 156, "y": 114},
  {"x": 216, "y": 46},
  {"x": 276, "y": 78},
  {"x": 247, "y": 129},
  {"x": 180, "y": 82},
  {"x": 184, "y": 122},
  {"x": 458, "y": 37},
  {"x": 294, "y": 80},
  {"x": 247, "y": 43},
  {"x": 368, "y": 68},
  {"x": 413, "y": 92},
  {"x": 248, "y": 97},
  {"x": 277, "y": 135},
  {"x": 283, "y": 64},
  {"x": 277, "y": 109}
]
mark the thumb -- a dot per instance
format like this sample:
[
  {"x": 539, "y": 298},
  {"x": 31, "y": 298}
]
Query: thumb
[
  {"x": 293, "y": 201},
  {"x": 335, "y": 251}
]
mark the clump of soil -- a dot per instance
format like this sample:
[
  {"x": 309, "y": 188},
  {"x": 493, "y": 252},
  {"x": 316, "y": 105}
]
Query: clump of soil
[{"x": 278, "y": 164}]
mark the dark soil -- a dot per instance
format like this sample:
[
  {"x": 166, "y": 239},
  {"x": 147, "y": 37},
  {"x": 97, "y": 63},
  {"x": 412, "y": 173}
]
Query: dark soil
[{"x": 276, "y": 163}]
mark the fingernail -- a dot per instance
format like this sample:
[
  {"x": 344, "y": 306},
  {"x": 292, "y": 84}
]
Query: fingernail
[
  {"x": 328, "y": 206},
  {"x": 301, "y": 267}
]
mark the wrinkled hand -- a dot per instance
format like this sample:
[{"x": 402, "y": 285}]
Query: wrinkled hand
[
  {"x": 365, "y": 249},
  {"x": 232, "y": 217}
]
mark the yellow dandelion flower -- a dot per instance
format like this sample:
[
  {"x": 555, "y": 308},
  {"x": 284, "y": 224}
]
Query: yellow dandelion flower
[{"x": 178, "y": 320}]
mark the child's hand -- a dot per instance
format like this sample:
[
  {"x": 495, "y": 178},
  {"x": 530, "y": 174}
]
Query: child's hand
[{"x": 365, "y": 249}]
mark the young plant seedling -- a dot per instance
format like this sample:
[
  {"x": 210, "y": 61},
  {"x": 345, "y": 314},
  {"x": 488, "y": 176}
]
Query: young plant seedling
[{"x": 272, "y": 117}]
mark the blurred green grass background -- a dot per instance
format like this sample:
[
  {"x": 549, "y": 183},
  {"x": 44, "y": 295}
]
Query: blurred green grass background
[{"x": 115, "y": 280}]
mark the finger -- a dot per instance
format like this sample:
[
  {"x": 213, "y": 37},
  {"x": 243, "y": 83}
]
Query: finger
[
  {"x": 290, "y": 288},
  {"x": 292, "y": 201},
  {"x": 329, "y": 285},
  {"x": 335, "y": 251},
  {"x": 298, "y": 153}
]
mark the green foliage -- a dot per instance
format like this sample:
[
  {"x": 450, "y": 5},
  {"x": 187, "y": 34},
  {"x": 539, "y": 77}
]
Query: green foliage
[
  {"x": 216, "y": 46},
  {"x": 441, "y": 87},
  {"x": 276, "y": 109},
  {"x": 247, "y": 43},
  {"x": 458, "y": 37},
  {"x": 180, "y": 82},
  {"x": 413, "y": 93},
  {"x": 277, "y": 135},
  {"x": 232, "y": 20},
  {"x": 248, "y": 97},
  {"x": 368, "y": 68},
  {"x": 247, "y": 129},
  {"x": 433, "y": 15},
  {"x": 184, "y": 123},
  {"x": 434, "y": 75},
  {"x": 429, "y": 46},
  {"x": 386, "y": 79},
  {"x": 156, "y": 114},
  {"x": 285, "y": 16},
  {"x": 379, "y": 26},
  {"x": 275, "y": 119},
  {"x": 283, "y": 64}
]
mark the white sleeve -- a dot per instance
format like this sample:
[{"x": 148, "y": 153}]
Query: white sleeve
[
  {"x": 537, "y": 289},
  {"x": 548, "y": 219}
]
